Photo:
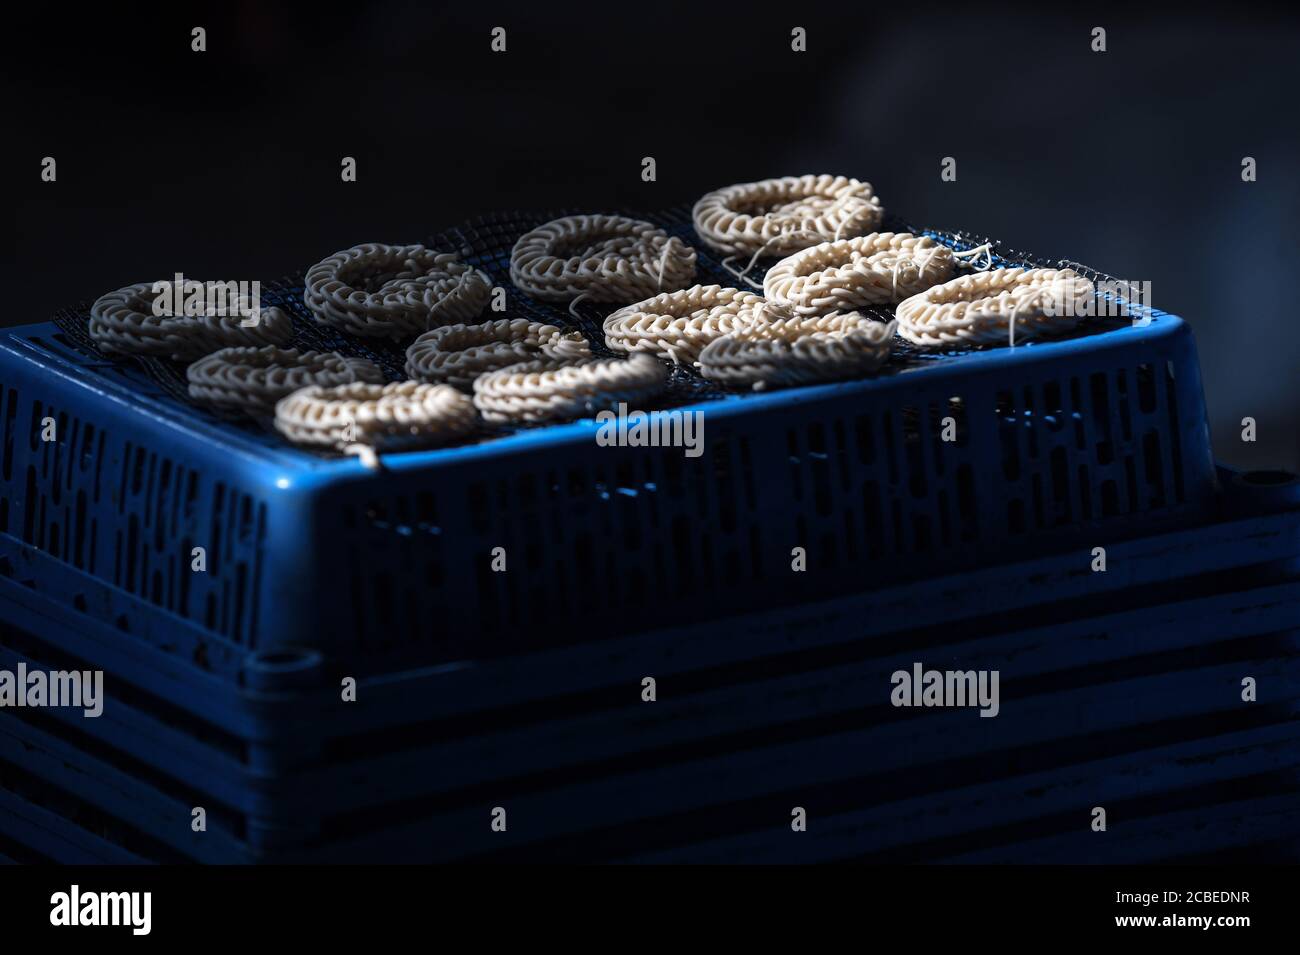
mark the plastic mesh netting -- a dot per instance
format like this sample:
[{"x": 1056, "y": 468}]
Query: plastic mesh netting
[{"x": 486, "y": 242}]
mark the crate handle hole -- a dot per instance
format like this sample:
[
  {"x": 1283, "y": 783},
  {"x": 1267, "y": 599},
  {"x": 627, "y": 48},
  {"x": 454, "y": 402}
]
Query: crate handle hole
[{"x": 284, "y": 659}]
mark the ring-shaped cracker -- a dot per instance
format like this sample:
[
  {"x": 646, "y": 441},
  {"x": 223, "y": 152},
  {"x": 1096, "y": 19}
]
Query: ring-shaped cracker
[
  {"x": 252, "y": 380},
  {"x": 799, "y": 350},
  {"x": 399, "y": 415},
  {"x": 996, "y": 307},
  {"x": 876, "y": 269},
  {"x": 677, "y": 325},
  {"x": 122, "y": 322},
  {"x": 780, "y": 216},
  {"x": 394, "y": 291},
  {"x": 548, "y": 391},
  {"x": 601, "y": 258},
  {"x": 457, "y": 354}
]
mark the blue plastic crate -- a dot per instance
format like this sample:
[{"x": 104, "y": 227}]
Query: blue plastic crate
[
  {"x": 1137, "y": 667},
  {"x": 1093, "y": 438},
  {"x": 477, "y": 688},
  {"x": 1175, "y": 738}
]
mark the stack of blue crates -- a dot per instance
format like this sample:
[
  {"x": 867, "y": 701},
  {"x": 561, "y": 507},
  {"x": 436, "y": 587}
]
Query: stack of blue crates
[{"x": 524, "y": 690}]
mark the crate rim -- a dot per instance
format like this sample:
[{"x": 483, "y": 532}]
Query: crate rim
[{"x": 298, "y": 469}]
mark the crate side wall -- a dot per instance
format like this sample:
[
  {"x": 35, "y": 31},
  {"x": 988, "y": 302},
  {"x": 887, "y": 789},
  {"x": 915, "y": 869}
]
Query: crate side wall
[{"x": 149, "y": 507}]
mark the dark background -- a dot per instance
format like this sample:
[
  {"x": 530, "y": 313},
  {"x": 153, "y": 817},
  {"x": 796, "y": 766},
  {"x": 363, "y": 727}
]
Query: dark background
[{"x": 225, "y": 164}]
